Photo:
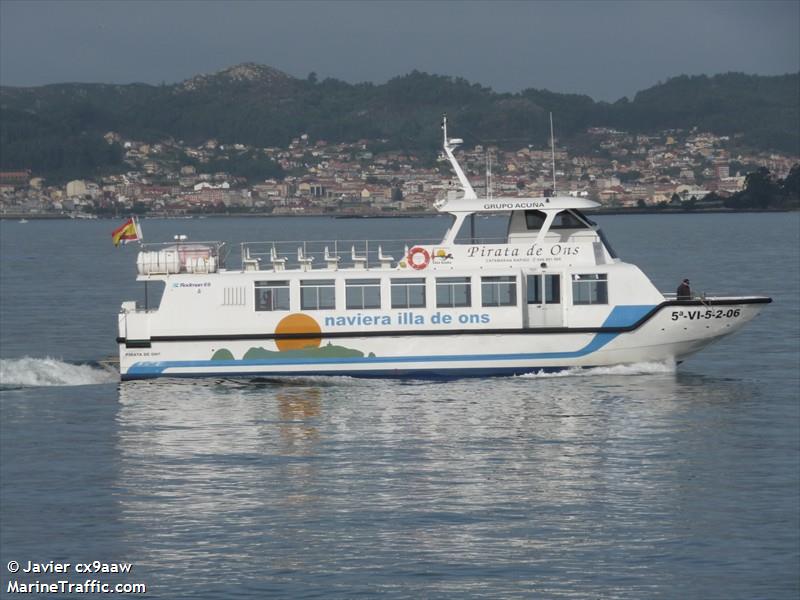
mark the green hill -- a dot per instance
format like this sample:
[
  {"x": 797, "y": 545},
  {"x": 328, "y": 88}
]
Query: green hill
[
  {"x": 57, "y": 129},
  {"x": 765, "y": 110}
]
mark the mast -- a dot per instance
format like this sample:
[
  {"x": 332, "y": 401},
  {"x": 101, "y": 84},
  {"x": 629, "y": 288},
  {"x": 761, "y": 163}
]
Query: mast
[{"x": 449, "y": 146}]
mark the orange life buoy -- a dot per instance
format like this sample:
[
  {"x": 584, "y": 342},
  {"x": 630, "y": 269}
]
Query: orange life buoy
[{"x": 416, "y": 263}]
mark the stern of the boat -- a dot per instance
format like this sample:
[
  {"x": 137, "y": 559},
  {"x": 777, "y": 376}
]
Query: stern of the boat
[{"x": 133, "y": 335}]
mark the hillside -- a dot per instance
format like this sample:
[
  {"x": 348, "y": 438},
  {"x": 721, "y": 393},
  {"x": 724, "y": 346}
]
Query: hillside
[{"x": 58, "y": 128}]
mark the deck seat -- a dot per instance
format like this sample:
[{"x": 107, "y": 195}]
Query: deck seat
[
  {"x": 305, "y": 261},
  {"x": 359, "y": 262},
  {"x": 249, "y": 263},
  {"x": 331, "y": 260},
  {"x": 384, "y": 259},
  {"x": 278, "y": 263}
]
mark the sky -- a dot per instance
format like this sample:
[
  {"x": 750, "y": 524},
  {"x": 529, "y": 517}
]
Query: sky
[{"x": 604, "y": 49}]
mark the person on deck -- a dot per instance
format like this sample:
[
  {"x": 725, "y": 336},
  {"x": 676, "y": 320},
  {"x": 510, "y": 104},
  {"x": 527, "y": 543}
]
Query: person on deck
[{"x": 684, "y": 291}]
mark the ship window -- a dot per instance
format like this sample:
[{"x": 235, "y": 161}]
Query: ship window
[
  {"x": 534, "y": 219},
  {"x": 452, "y": 292},
  {"x": 590, "y": 289},
  {"x": 552, "y": 289},
  {"x": 499, "y": 291},
  {"x": 566, "y": 219},
  {"x": 272, "y": 295},
  {"x": 363, "y": 293},
  {"x": 534, "y": 289},
  {"x": 317, "y": 294},
  {"x": 408, "y": 293}
]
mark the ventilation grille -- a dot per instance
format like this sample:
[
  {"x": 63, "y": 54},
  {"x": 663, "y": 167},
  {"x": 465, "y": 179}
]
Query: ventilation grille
[{"x": 234, "y": 296}]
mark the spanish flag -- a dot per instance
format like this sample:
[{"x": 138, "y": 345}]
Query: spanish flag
[{"x": 127, "y": 232}]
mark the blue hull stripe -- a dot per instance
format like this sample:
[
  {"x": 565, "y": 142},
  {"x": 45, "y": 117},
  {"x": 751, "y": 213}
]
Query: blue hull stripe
[
  {"x": 620, "y": 315},
  {"x": 627, "y": 316},
  {"x": 371, "y": 374}
]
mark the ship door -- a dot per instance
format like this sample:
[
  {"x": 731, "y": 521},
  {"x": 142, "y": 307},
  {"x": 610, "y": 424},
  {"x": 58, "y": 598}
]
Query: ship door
[{"x": 544, "y": 300}]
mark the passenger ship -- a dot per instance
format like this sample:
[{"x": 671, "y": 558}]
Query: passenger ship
[{"x": 552, "y": 295}]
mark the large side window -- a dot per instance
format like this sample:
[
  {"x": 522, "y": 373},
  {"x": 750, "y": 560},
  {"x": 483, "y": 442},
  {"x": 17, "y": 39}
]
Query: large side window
[
  {"x": 566, "y": 219},
  {"x": 272, "y": 295},
  {"x": 317, "y": 294},
  {"x": 363, "y": 293},
  {"x": 590, "y": 289},
  {"x": 534, "y": 219},
  {"x": 499, "y": 291},
  {"x": 452, "y": 292},
  {"x": 552, "y": 289},
  {"x": 408, "y": 292}
]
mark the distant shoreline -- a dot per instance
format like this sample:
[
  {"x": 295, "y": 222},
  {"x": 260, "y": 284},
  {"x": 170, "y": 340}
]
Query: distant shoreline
[{"x": 415, "y": 215}]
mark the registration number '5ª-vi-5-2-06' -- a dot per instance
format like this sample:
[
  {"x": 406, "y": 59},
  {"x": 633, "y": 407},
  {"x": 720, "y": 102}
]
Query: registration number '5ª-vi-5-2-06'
[{"x": 697, "y": 315}]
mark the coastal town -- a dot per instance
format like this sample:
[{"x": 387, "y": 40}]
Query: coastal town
[{"x": 674, "y": 169}]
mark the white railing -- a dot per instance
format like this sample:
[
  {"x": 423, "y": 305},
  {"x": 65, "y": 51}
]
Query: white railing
[
  {"x": 696, "y": 296},
  {"x": 326, "y": 254}
]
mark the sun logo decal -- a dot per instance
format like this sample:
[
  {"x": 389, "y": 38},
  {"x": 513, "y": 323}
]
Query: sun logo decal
[{"x": 298, "y": 323}]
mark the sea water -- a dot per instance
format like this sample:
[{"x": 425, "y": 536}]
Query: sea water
[{"x": 638, "y": 481}]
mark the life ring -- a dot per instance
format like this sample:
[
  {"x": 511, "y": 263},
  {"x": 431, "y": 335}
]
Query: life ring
[{"x": 416, "y": 251}]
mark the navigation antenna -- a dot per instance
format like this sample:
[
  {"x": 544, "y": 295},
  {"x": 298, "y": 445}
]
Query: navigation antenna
[{"x": 553, "y": 152}]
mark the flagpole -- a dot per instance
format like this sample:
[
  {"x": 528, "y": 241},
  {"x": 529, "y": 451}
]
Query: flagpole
[{"x": 138, "y": 230}]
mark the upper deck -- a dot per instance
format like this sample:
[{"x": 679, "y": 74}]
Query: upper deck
[{"x": 533, "y": 239}]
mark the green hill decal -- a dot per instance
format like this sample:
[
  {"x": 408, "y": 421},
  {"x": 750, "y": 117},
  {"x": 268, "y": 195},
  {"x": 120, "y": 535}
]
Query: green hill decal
[
  {"x": 329, "y": 351},
  {"x": 222, "y": 354}
]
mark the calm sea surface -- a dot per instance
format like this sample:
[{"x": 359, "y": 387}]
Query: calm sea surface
[{"x": 633, "y": 482}]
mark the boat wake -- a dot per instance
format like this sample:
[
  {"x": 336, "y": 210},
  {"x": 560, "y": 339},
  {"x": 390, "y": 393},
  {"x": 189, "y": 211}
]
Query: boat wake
[
  {"x": 642, "y": 368},
  {"x": 26, "y": 372}
]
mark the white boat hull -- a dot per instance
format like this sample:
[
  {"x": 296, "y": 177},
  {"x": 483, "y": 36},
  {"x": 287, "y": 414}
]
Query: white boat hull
[{"x": 671, "y": 331}]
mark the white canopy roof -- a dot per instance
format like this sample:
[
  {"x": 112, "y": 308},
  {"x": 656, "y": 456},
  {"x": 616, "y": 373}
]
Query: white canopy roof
[{"x": 505, "y": 204}]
